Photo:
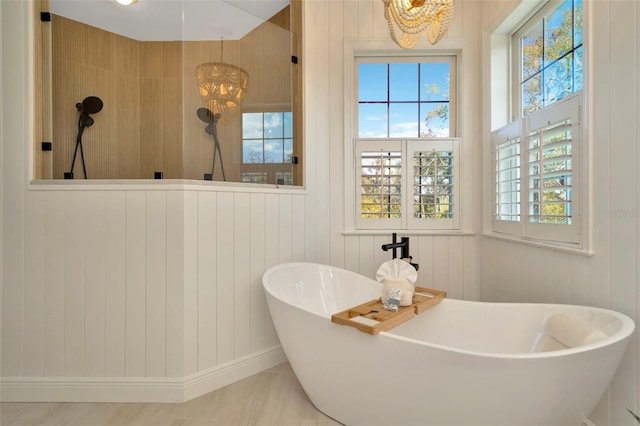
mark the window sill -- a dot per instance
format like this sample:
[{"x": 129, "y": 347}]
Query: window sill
[
  {"x": 541, "y": 244},
  {"x": 408, "y": 232}
]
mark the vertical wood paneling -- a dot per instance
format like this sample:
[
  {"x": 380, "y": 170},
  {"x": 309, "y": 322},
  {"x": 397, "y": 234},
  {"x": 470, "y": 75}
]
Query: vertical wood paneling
[
  {"x": 95, "y": 280},
  {"x": 456, "y": 268},
  {"x": 579, "y": 278},
  {"x": 317, "y": 87},
  {"x": 13, "y": 271},
  {"x": 272, "y": 250},
  {"x": 242, "y": 274},
  {"x": 367, "y": 265},
  {"x": 350, "y": 19},
  {"x": 156, "y": 280},
  {"x": 336, "y": 129},
  {"x": 178, "y": 288},
  {"x": 546, "y": 274},
  {"x": 272, "y": 234},
  {"x": 207, "y": 273},
  {"x": 135, "y": 296},
  {"x": 426, "y": 270},
  {"x": 637, "y": 209},
  {"x": 74, "y": 269},
  {"x": 256, "y": 252},
  {"x": 471, "y": 279},
  {"x": 561, "y": 278},
  {"x": 55, "y": 249},
  {"x": 540, "y": 286},
  {"x": 510, "y": 272},
  {"x": 623, "y": 155},
  {"x": 380, "y": 256},
  {"x": 380, "y": 25},
  {"x": 224, "y": 277},
  {"x": 623, "y": 175},
  {"x": 297, "y": 229},
  {"x": 365, "y": 19},
  {"x": 488, "y": 270},
  {"x": 115, "y": 282},
  {"x": 285, "y": 220},
  {"x": 191, "y": 306},
  {"x": 34, "y": 289},
  {"x": 352, "y": 253},
  {"x": 441, "y": 263}
]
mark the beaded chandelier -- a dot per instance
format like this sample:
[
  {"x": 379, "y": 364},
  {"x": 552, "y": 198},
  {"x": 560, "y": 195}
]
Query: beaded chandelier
[
  {"x": 411, "y": 17},
  {"x": 222, "y": 87}
]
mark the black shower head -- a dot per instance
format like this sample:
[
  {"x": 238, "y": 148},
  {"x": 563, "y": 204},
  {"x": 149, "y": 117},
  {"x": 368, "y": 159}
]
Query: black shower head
[
  {"x": 90, "y": 105},
  {"x": 207, "y": 116}
]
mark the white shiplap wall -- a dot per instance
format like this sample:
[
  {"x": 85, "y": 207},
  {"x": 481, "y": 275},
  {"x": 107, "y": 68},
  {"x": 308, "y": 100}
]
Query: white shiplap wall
[
  {"x": 153, "y": 293},
  {"x": 448, "y": 262},
  {"x": 610, "y": 277},
  {"x": 142, "y": 284}
]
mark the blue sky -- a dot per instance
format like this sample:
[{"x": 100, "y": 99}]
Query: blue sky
[
  {"x": 269, "y": 135},
  {"x": 399, "y": 96}
]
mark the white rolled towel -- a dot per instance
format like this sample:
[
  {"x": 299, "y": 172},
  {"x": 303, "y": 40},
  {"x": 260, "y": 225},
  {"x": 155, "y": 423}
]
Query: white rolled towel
[
  {"x": 573, "y": 331},
  {"x": 397, "y": 273},
  {"x": 407, "y": 288}
]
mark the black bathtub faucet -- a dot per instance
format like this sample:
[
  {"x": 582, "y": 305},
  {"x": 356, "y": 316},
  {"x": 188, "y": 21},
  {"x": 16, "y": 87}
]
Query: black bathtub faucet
[{"x": 403, "y": 245}]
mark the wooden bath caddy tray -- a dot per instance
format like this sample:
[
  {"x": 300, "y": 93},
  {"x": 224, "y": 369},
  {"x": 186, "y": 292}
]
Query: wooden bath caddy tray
[{"x": 371, "y": 317}]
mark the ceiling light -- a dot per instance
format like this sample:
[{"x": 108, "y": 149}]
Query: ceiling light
[
  {"x": 411, "y": 17},
  {"x": 222, "y": 87},
  {"x": 126, "y": 2}
]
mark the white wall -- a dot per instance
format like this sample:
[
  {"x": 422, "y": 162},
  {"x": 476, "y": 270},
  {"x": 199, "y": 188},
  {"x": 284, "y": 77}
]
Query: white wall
[
  {"x": 610, "y": 277},
  {"x": 148, "y": 291},
  {"x": 447, "y": 262}
]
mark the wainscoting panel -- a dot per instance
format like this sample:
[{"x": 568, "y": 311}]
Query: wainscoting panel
[
  {"x": 115, "y": 282},
  {"x": 54, "y": 303},
  {"x": 144, "y": 286},
  {"x": 95, "y": 279},
  {"x": 446, "y": 263}
]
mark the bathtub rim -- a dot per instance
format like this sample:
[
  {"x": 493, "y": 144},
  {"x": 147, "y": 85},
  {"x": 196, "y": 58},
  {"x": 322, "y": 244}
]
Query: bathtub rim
[{"x": 627, "y": 324}]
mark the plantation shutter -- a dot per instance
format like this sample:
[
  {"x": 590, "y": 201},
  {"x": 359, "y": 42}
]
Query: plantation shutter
[
  {"x": 507, "y": 148},
  {"x": 553, "y": 197},
  {"x": 407, "y": 184},
  {"x": 379, "y": 173},
  {"x": 432, "y": 183},
  {"x": 537, "y": 192}
]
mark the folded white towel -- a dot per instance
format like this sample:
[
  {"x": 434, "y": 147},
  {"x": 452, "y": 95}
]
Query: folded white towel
[
  {"x": 397, "y": 269},
  {"x": 406, "y": 287},
  {"x": 399, "y": 274},
  {"x": 573, "y": 331}
]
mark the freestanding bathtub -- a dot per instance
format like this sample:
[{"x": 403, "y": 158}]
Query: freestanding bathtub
[{"x": 459, "y": 363}]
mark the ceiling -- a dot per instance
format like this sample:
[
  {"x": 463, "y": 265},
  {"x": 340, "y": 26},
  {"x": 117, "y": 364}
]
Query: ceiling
[{"x": 169, "y": 20}]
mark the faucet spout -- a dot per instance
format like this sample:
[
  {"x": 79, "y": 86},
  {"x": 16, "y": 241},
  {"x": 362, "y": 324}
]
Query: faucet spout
[
  {"x": 403, "y": 245},
  {"x": 387, "y": 247},
  {"x": 394, "y": 245}
]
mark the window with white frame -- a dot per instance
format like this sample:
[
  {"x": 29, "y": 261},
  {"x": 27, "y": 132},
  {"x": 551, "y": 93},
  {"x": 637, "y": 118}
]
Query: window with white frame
[
  {"x": 550, "y": 55},
  {"x": 406, "y": 159},
  {"x": 538, "y": 162},
  {"x": 267, "y": 147},
  {"x": 408, "y": 184}
]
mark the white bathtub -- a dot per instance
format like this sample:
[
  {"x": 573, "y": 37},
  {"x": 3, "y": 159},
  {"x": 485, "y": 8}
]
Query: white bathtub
[{"x": 459, "y": 363}]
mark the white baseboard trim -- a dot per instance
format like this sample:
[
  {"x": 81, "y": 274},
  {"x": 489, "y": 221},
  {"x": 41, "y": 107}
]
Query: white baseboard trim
[
  {"x": 225, "y": 374},
  {"x": 139, "y": 389}
]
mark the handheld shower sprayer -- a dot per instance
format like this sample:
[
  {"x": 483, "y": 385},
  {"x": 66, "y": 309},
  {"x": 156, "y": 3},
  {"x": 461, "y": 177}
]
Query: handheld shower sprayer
[{"x": 90, "y": 105}]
